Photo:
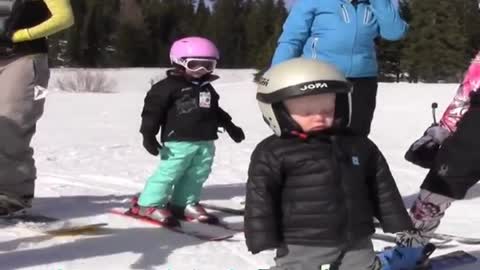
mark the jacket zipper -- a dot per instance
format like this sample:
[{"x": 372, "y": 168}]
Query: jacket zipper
[
  {"x": 368, "y": 16},
  {"x": 353, "y": 44},
  {"x": 346, "y": 17},
  {"x": 338, "y": 177},
  {"x": 314, "y": 47}
]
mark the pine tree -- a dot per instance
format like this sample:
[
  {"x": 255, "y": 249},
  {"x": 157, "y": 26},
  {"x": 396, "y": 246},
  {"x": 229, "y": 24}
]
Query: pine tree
[
  {"x": 57, "y": 55},
  {"x": 468, "y": 17},
  {"x": 156, "y": 16},
  {"x": 273, "y": 29},
  {"x": 132, "y": 37},
  {"x": 167, "y": 21},
  {"x": 228, "y": 32},
  {"x": 443, "y": 35},
  {"x": 389, "y": 54},
  {"x": 74, "y": 44},
  {"x": 88, "y": 41},
  {"x": 435, "y": 45},
  {"x": 254, "y": 31},
  {"x": 202, "y": 16}
]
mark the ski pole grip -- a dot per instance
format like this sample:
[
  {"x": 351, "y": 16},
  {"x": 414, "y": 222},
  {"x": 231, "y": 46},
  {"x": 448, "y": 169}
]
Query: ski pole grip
[{"x": 434, "y": 106}]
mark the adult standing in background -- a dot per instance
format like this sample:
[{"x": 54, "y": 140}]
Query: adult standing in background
[
  {"x": 343, "y": 33},
  {"x": 24, "y": 75}
]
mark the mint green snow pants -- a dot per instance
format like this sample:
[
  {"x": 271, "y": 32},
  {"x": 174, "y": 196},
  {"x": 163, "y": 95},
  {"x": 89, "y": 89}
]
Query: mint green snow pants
[{"x": 179, "y": 178}]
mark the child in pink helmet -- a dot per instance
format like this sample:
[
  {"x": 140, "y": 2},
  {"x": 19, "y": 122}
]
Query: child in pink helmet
[{"x": 184, "y": 106}]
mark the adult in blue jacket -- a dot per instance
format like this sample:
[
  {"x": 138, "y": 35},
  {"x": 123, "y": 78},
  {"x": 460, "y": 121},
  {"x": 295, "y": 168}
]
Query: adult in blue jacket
[{"x": 343, "y": 33}]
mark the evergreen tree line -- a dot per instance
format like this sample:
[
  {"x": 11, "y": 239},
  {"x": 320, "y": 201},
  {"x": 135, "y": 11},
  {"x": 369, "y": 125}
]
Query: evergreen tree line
[{"x": 442, "y": 38}]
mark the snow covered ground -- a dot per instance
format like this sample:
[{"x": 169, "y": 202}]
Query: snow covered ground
[{"x": 90, "y": 158}]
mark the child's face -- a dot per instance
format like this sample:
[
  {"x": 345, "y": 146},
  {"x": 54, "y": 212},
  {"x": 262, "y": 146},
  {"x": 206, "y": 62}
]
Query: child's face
[
  {"x": 312, "y": 113},
  {"x": 196, "y": 74}
]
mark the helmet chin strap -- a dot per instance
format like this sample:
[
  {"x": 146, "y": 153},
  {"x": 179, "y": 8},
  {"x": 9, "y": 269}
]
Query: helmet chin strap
[{"x": 286, "y": 122}]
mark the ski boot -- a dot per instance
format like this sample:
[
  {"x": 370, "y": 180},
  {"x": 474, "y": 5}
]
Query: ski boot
[
  {"x": 194, "y": 212},
  {"x": 400, "y": 257},
  {"x": 14, "y": 206},
  {"x": 162, "y": 215}
]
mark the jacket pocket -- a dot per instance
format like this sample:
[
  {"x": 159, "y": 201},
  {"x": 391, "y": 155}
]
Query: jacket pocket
[
  {"x": 345, "y": 16},
  {"x": 368, "y": 17}
]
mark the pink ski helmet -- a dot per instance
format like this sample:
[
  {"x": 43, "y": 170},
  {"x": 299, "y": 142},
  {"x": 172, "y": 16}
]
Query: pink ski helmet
[{"x": 193, "y": 47}]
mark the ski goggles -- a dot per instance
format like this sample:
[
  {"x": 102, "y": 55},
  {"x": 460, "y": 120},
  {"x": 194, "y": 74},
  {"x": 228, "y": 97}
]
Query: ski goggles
[{"x": 197, "y": 64}]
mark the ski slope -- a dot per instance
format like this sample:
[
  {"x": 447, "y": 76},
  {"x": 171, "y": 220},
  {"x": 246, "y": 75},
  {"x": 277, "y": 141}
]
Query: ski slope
[{"x": 90, "y": 158}]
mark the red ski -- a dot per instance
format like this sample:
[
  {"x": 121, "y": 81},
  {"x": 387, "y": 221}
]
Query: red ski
[{"x": 207, "y": 235}]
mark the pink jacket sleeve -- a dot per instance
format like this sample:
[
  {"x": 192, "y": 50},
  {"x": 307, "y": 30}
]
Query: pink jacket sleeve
[{"x": 461, "y": 101}]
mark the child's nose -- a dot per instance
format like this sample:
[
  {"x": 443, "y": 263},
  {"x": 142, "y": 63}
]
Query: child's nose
[{"x": 319, "y": 116}]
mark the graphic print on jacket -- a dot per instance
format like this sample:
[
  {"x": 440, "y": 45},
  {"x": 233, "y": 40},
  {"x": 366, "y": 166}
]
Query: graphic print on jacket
[{"x": 186, "y": 104}]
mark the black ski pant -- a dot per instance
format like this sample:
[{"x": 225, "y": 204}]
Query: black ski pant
[{"x": 363, "y": 104}]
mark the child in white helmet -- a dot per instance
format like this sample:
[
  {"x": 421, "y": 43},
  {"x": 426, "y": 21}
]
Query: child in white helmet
[{"x": 313, "y": 187}]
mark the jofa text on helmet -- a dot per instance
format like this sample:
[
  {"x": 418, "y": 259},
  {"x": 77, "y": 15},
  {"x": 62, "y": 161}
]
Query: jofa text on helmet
[{"x": 313, "y": 86}]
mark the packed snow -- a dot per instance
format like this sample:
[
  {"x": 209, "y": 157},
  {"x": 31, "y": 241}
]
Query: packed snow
[{"x": 90, "y": 158}]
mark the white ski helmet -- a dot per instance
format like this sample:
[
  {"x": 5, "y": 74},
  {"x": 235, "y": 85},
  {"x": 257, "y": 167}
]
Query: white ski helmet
[{"x": 300, "y": 77}]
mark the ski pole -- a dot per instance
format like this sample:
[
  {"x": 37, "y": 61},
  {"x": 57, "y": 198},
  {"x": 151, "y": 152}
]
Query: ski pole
[{"x": 434, "y": 106}]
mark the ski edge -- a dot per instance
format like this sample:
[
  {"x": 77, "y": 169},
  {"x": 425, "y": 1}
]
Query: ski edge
[
  {"x": 224, "y": 209},
  {"x": 123, "y": 212}
]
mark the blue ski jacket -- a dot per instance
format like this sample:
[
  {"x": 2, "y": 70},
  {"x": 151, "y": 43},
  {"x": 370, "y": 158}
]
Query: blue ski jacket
[{"x": 341, "y": 32}]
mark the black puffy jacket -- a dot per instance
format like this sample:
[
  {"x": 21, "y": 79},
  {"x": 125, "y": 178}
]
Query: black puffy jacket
[
  {"x": 185, "y": 111},
  {"x": 320, "y": 191}
]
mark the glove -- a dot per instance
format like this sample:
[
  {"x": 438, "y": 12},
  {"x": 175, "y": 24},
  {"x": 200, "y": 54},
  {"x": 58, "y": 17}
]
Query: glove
[
  {"x": 423, "y": 151},
  {"x": 475, "y": 99},
  {"x": 401, "y": 258},
  {"x": 411, "y": 250},
  {"x": 5, "y": 39},
  {"x": 6, "y": 45},
  {"x": 151, "y": 144},
  {"x": 236, "y": 133},
  {"x": 5, "y": 33}
]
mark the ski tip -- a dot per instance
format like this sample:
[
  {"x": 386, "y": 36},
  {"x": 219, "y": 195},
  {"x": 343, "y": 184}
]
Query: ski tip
[{"x": 222, "y": 238}]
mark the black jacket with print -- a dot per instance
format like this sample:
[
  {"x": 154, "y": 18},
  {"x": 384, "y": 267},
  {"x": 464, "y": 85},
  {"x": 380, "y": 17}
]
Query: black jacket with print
[
  {"x": 320, "y": 191},
  {"x": 185, "y": 110}
]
